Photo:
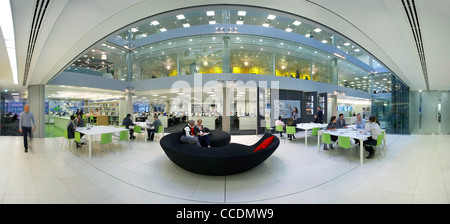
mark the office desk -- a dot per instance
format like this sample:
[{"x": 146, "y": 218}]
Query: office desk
[
  {"x": 353, "y": 134},
  {"x": 309, "y": 126},
  {"x": 97, "y": 130}
]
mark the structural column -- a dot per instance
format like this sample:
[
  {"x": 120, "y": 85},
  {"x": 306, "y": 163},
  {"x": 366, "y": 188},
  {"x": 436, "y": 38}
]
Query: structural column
[
  {"x": 334, "y": 72},
  {"x": 226, "y": 55},
  {"x": 36, "y": 101}
]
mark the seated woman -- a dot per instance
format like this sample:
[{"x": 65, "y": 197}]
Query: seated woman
[
  {"x": 202, "y": 136},
  {"x": 332, "y": 126},
  {"x": 291, "y": 123},
  {"x": 374, "y": 129}
]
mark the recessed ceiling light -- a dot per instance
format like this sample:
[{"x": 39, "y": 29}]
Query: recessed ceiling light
[
  {"x": 240, "y": 22},
  {"x": 308, "y": 35},
  {"x": 357, "y": 50},
  {"x": 296, "y": 23},
  {"x": 271, "y": 17},
  {"x": 163, "y": 29},
  {"x": 212, "y": 22},
  {"x": 288, "y": 30},
  {"x": 346, "y": 44},
  {"x": 134, "y": 30},
  {"x": 186, "y": 25},
  {"x": 324, "y": 41},
  {"x": 242, "y": 13},
  {"x": 317, "y": 30},
  {"x": 266, "y": 25},
  {"x": 210, "y": 13},
  {"x": 155, "y": 23},
  {"x": 180, "y": 17}
]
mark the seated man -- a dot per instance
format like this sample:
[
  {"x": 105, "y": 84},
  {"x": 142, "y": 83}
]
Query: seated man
[
  {"x": 79, "y": 123},
  {"x": 341, "y": 122},
  {"x": 360, "y": 123},
  {"x": 127, "y": 122},
  {"x": 188, "y": 134},
  {"x": 156, "y": 124}
]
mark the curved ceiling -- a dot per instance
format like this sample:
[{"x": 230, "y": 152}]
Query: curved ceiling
[{"x": 381, "y": 27}]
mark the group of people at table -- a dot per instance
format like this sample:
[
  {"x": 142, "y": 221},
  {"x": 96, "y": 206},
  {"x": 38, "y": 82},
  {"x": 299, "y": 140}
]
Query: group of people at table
[
  {"x": 191, "y": 133},
  {"x": 360, "y": 124}
]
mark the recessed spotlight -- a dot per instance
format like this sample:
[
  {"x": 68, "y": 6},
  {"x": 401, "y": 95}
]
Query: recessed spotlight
[
  {"x": 163, "y": 29},
  {"x": 155, "y": 23},
  {"x": 242, "y": 13},
  {"x": 324, "y": 41},
  {"x": 186, "y": 25},
  {"x": 266, "y": 25},
  {"x": 271, "y": 17},
  {"x": 180, "y": 17},
  {"x": 240, "y": 22},
  {"x": 212, "y": 22},
  {"x": 296, "y": 23},
  {"x": 317, "y": 30},
  {"x": 346, "y": 44},
  {"x": 288, "y": 30},
  {"x": 210, "y": 13}
]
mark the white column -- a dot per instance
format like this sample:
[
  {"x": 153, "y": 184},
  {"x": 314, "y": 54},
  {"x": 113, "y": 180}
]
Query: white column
[{"x": 36, "y": 101}]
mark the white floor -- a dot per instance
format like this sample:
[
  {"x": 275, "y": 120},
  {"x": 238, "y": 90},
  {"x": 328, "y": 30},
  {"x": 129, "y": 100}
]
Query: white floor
[{"x": 416, "y": 169}]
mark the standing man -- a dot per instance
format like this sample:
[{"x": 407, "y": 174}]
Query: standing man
[
  {"x": 319, "y": 115},
  {"x": 26, "y": 117}
]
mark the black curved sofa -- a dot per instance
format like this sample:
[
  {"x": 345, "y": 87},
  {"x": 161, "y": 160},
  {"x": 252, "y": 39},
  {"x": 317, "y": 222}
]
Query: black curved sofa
[
  {"x": 230, "y": 159},
  {"x": 219, "y": 138}
]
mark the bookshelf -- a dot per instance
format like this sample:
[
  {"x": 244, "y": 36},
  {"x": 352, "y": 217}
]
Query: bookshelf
[{"x": 106, "y": 108}]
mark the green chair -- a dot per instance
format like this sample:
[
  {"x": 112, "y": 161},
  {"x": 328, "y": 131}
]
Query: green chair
[
  {"x": 138, "y": 130},
  {"x": 279, "y": 129},
  {"x": 326, "y": 138},
  {"x": 106, "y": 139},
  {"x": 268, "y": 128},
  {"x": 78, "y": 138},
  {"x": 66, "y": 139},
  {"x": 379, "y": 143},
  {"x": 124, "y": 137},
  {"x": 290, "y": 130},
  {"x": 345, "y": 142},
  {"x": 160, "y": 132},
  {"x": 315, "y": 132}
]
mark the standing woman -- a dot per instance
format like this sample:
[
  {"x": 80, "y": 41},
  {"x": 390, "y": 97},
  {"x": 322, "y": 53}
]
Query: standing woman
[{"x": 294, "y": 116}]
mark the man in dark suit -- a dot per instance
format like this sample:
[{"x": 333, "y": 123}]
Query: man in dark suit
[{"x": 127, "y": 122}]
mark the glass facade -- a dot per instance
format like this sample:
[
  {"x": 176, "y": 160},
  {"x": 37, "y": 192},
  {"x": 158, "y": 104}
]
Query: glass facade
[
  {"x": 390, "y": 103},
  {"x": 141, "y": 52}
]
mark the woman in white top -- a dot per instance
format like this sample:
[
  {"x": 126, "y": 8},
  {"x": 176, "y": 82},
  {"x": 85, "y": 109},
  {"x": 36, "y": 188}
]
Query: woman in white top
[
  {"x": 279, "y": 122},
  {"x": 374, "y": 130}
]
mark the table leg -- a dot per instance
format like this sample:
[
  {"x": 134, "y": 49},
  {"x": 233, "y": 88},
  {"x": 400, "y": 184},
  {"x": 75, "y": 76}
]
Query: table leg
[
  {"x": 90, "y": 146},
  {"x": 361, "y": 151},
  {"x": 318, "y": 142},
  {"x": 306, "y": 138}
]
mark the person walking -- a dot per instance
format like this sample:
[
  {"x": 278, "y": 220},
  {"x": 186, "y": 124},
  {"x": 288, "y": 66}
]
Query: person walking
[{"x": 26, "y": 119}]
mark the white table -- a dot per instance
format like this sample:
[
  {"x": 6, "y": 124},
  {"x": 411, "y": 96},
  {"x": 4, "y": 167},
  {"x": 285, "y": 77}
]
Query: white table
[
  {"x": 348, "y": 132},
  {"x": 98, "y": 130},
  {"x": 309, "y": 126}
]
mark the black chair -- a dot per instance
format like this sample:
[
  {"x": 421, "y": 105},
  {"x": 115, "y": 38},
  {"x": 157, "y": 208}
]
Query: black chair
[{"x": 229, "y": 159}]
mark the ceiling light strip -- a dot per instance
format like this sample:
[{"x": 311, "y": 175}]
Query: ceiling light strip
[
  {"x": 7, "y": 27},
  {"x": 411, "y": 12},
  {"x": 39, "y": 12}
]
